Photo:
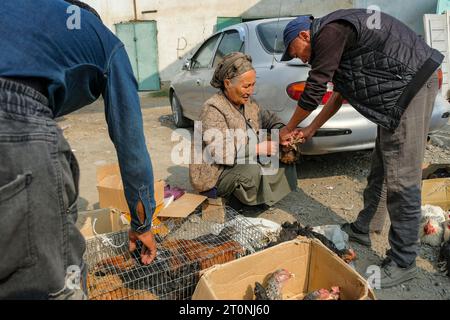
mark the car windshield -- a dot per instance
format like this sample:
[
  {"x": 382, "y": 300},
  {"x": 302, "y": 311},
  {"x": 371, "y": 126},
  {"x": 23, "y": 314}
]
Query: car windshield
[{"x": 270, "y": 35}]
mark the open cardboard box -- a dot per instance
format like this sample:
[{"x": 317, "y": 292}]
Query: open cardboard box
[
  {"x": 92, "y": 223},
  {"x": 314, "y": 266},
  {"x": 111, "y": 193},
  {"x": 435, "y": 192}
]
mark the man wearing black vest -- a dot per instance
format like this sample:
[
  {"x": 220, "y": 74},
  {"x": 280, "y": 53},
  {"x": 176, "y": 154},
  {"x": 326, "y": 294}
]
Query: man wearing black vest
[{"x": 387, "y": 73}]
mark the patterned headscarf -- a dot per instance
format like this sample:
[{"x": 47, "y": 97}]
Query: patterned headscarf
[{"x": 232, "y": 65}]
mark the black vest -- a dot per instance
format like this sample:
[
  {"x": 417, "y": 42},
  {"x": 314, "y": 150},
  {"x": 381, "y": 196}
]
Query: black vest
[{"x": 382, "y": 73}]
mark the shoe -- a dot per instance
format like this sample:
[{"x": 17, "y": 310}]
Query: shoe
[
  {"x": 361, "y": 238},
  {"x": 392, "y": 275}
]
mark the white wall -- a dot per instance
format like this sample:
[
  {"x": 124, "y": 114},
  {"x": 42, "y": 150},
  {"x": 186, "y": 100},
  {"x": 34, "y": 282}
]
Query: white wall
[{"x": 183, "y": 24}]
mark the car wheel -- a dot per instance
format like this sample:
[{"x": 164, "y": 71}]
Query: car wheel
[{"x": 177, "y": 112}]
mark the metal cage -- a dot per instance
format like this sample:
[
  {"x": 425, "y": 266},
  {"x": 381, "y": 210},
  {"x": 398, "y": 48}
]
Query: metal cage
[{"x": 190, "y": 246}]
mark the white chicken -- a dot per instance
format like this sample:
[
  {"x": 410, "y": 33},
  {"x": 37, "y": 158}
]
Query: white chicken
[{"x": 431, "y": 227}]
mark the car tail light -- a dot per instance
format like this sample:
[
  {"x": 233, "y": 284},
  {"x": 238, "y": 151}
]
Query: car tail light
[
  {"x": 440, "y": 78},
  {"x": 295, "y": 91}
]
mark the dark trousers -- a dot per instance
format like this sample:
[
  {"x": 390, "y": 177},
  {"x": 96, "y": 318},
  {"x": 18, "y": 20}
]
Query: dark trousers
[
  {"x": 41, "y": 250},
  {"x": 394, "y": 182}
]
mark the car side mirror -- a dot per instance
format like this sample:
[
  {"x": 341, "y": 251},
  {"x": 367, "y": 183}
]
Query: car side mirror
[{"x": 187, "y": 65}]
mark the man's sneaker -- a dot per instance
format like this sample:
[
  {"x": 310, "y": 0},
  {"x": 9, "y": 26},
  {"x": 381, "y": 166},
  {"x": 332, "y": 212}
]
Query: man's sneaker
[
  {"x": 361, "y": 238},
  {"x": 393, "y": 275}
]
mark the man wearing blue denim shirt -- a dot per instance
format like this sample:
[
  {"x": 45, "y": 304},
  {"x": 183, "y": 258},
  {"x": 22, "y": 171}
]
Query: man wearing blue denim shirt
[{"x": 51, "y": 64}]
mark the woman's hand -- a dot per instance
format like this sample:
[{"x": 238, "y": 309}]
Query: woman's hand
[{"x": 267, "y": 148}]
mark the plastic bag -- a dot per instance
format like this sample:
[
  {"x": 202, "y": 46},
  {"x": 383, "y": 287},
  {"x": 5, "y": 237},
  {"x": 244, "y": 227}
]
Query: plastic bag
[{"x": 335, "y": 234}]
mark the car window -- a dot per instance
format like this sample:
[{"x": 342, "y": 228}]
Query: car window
[
  {"x": 205, "y": 54},
  {"x": 270, "y": 35},
  {"x": 231, "y": 42}
]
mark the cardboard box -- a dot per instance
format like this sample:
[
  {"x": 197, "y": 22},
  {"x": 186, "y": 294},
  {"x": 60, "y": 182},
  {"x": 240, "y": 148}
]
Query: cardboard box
[
  {"x": 435, "y": 192},
  {"x": 314, "y": 266},
  {"x": 213, "y": 210},
  {"x": 102, "y": 221},
  {"x": 182, "y": 207},
  {"x": 111, "y": 193}
]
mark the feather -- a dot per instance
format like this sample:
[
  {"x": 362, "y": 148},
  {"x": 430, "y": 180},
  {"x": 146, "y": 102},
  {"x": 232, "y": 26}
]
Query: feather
[{"x": 260, "y": 292}]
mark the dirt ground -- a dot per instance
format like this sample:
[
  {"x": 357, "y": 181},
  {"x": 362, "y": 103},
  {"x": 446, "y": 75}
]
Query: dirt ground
[{"x": 329, "y": 187}]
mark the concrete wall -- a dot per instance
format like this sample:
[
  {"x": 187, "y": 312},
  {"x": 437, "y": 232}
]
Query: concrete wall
[
  {"x": 409, "y": 11},
  {"x": 182, "y": 24}
]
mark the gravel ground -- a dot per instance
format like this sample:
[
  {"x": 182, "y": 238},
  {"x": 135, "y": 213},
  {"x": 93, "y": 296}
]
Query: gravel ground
[{"x": 329, "y": 187}]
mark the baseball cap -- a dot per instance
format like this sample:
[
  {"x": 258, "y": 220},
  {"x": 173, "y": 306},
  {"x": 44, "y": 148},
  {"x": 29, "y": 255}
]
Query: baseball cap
[{"x": 293, "y": 28}]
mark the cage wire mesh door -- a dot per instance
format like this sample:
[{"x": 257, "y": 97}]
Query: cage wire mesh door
[{"x": 190, "y": 246}]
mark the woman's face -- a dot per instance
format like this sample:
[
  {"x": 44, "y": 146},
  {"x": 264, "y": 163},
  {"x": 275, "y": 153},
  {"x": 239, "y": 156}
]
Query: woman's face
[{"x": 240, "y": 89}]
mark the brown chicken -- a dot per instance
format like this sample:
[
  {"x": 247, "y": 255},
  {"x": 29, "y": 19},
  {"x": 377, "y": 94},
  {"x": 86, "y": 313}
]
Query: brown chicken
[
  {"x": 117, "y": 263},
  {"x": 324, "y": 294},
  {"x": 290, "y": 153},
  {"x": 111, "y": 287},
  {"x": 273, "y": 288},
  {"x": 207, "y": 255}
]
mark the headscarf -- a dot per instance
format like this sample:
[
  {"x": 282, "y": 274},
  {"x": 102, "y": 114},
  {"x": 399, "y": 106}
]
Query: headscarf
[{"x": 232, "y": 65}]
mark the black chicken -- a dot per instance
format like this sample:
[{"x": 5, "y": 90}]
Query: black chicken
[
  {"x": 444, "y": 258},
  {"x": 291, "y": 231},
  {"x": 260, "y": 292}
]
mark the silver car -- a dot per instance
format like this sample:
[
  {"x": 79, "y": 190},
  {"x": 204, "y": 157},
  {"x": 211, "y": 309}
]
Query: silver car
[{"x": 278, "y": 87}]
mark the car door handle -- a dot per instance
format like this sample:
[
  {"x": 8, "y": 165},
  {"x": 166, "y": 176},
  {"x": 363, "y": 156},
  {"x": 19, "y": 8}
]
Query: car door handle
[
  {"x": 199, "y": 82},
  {"x": 327, "y": 132}
]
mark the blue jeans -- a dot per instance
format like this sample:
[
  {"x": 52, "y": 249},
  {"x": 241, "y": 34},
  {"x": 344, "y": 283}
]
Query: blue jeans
[{"x": 41, "y": 250}]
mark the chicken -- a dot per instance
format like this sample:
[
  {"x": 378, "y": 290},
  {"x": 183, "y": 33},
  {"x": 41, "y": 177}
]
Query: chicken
[
  {"x": 444, "y": 258},
  {"x": 119, "y": 263},
  {"x": 260, "y": 292},
  {"x": 446, "y": 226},
  {"x": 431, "y": 227},
  {"x": 291, "y": 231},
  {"x": 324, "y": 294},
  {"x": 206, "y": 255},
  {"x": 168, "y": 277},
  {"x": 111, "y": 287},
  {"x": 439, "y": 173},
  {"x": 273, "y": 288},
  {"x": 290, "y": 153}
]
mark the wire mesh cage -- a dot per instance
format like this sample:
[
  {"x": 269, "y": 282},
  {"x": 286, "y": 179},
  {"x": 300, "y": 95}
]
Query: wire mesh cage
[{"x": 190, "y": 246}]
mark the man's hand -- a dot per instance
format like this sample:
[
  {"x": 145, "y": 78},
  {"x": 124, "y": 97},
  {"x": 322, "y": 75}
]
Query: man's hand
[
  {"x": 307, "y": 133},
  {"x": 267, "y": 148},
  {"x": 148, "y": 252},
  {"x": 292, "y": 138},
  {"x": 286, "y": 136}
]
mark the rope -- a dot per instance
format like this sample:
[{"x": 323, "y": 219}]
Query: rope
[{"x": 105, "y": 240}]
